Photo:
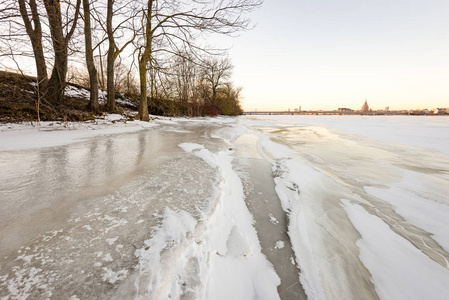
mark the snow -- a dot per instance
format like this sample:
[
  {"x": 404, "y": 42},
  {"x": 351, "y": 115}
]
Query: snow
[
  {"x": 50, "y": 134},
  {"x": 388, "y": 129},
  {"x": 220, "y": 257},
  {"x": 366, "y": 201},
  {"x": 112, "y": 240},
  {"x": 421, "y": 212},
  {"x": 279, "y": 245},
  {"x": 189, "y": 147},
  {"x": 396, "y": 171},
  {"x": 73, "y": 91},
  {"x": 411, "y": 274},
  {"x": 112, "y": 277},
  {"x": 273, "y": 220}
]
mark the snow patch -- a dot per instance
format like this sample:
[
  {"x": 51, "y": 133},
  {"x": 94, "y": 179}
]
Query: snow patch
[
  {"x": 279, "y": 245},
  {"x": 112, "y": 277},
  {"x": 112, "y": 240}
]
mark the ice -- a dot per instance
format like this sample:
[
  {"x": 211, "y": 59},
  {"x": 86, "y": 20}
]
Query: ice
[
  {"x": 318, "y": 161},
  {"x": 107, "y": 210},
  {"x": 218, "y": 258},
  {"x": 172, "y": 211},
  {"x": 200, "y": 152},
  {"x": 421, "y": 212},
  {"x": 411, "y": 274},
  {"x": 417, "y": 131}
]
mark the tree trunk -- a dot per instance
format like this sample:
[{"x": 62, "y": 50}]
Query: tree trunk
[
  {"x": 110, "y": 58},
  {"x": 57, "y": 81},
  {"x": 93, "y": 102},
  {"x": 143, "y": 65},
  {"x": 35, "y": 36},
  {"x": 214, "y": 94},
  {"x": 101, "y": 69},
  {"x": 143, "y": 105}
]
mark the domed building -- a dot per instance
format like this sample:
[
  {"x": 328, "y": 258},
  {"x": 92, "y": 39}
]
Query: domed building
[{"x": 365, "y": 107}]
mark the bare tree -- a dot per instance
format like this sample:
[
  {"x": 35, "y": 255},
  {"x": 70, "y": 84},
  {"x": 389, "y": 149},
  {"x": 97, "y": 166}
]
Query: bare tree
[
  {"x": 170, "y": 26},
  {"x": 216, "y": 71},
  {"x": 228, "y": 99},
  {"x": 60, "y": 41},
  {"x": 110, "y": 57},
  {"x": 33, "y": 27},
  {"x": 185, "y": 71},
  {"x": 93, "y": 76},
  {"x": 127, "y": 12}
]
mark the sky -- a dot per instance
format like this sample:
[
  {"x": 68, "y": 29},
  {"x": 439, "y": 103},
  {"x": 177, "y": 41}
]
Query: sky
[{"x": 327, "y": 54}]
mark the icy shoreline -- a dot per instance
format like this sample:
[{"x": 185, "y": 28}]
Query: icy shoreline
[
  {"x": 163, "y": 211},
  {"x": 28, "y": 136},
  {"x": 204, "y": 249}
]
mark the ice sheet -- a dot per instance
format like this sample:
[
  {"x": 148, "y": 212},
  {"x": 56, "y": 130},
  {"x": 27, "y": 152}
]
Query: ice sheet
[
  {"x": 395, "y": 167},
  {"x": 418, "y": 131},
  {"x": 398, "y": 269}
]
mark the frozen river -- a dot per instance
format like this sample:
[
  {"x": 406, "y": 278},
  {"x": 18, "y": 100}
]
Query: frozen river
[{"x": 265, "y": 207}]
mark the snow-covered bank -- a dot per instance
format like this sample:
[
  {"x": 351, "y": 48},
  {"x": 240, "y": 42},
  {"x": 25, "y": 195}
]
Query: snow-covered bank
[{"x": 52, "y": 134}]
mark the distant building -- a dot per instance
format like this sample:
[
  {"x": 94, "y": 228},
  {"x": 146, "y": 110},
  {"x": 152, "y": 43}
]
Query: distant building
[
  {"x": 365, "y": 107},
  {"x": 344, "y": 109},
  {"x": 387, "y": 109},
  {"x": 440, "y": 111}
]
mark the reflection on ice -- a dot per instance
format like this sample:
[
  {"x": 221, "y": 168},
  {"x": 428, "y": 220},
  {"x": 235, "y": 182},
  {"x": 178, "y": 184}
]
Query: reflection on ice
[
  {"x": 83, "y": 210},
  {"x": 132, "y": 216}
]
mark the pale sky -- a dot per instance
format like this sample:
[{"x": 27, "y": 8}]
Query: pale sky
[{"x": 326, "y": 54}]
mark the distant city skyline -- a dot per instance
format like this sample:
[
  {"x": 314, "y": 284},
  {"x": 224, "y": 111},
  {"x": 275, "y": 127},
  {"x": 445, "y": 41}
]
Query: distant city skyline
[
  {"x": 365, "y": 108},
  {"x": 360, "y": 108},
  {"x": 330, "y": 54}
]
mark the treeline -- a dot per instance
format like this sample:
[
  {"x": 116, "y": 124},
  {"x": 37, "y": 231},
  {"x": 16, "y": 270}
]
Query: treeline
[{"x": 153, "y": 49}]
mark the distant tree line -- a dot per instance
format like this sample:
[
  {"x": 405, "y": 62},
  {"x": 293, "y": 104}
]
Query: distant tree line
[{"x": 154, "y": 49}]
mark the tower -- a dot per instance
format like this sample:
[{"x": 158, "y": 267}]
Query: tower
[{"x": 365, "y": 107}]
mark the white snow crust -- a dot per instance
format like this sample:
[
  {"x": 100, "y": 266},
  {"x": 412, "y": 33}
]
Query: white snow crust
[
  {"x": 374, "y": 161},
  {"x": 50, "y": 134},
  {"x": 219, "y": 257},
  {"x": 398, "y": 269}
]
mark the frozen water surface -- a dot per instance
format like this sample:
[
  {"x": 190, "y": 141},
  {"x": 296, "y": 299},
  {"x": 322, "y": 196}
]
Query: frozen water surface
[
  {"x": 73, "y": 216},
  {"x": 260, "y": 207},
  {"x": 367, "y": 200},
  {"x": 154, "y": 214}
]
